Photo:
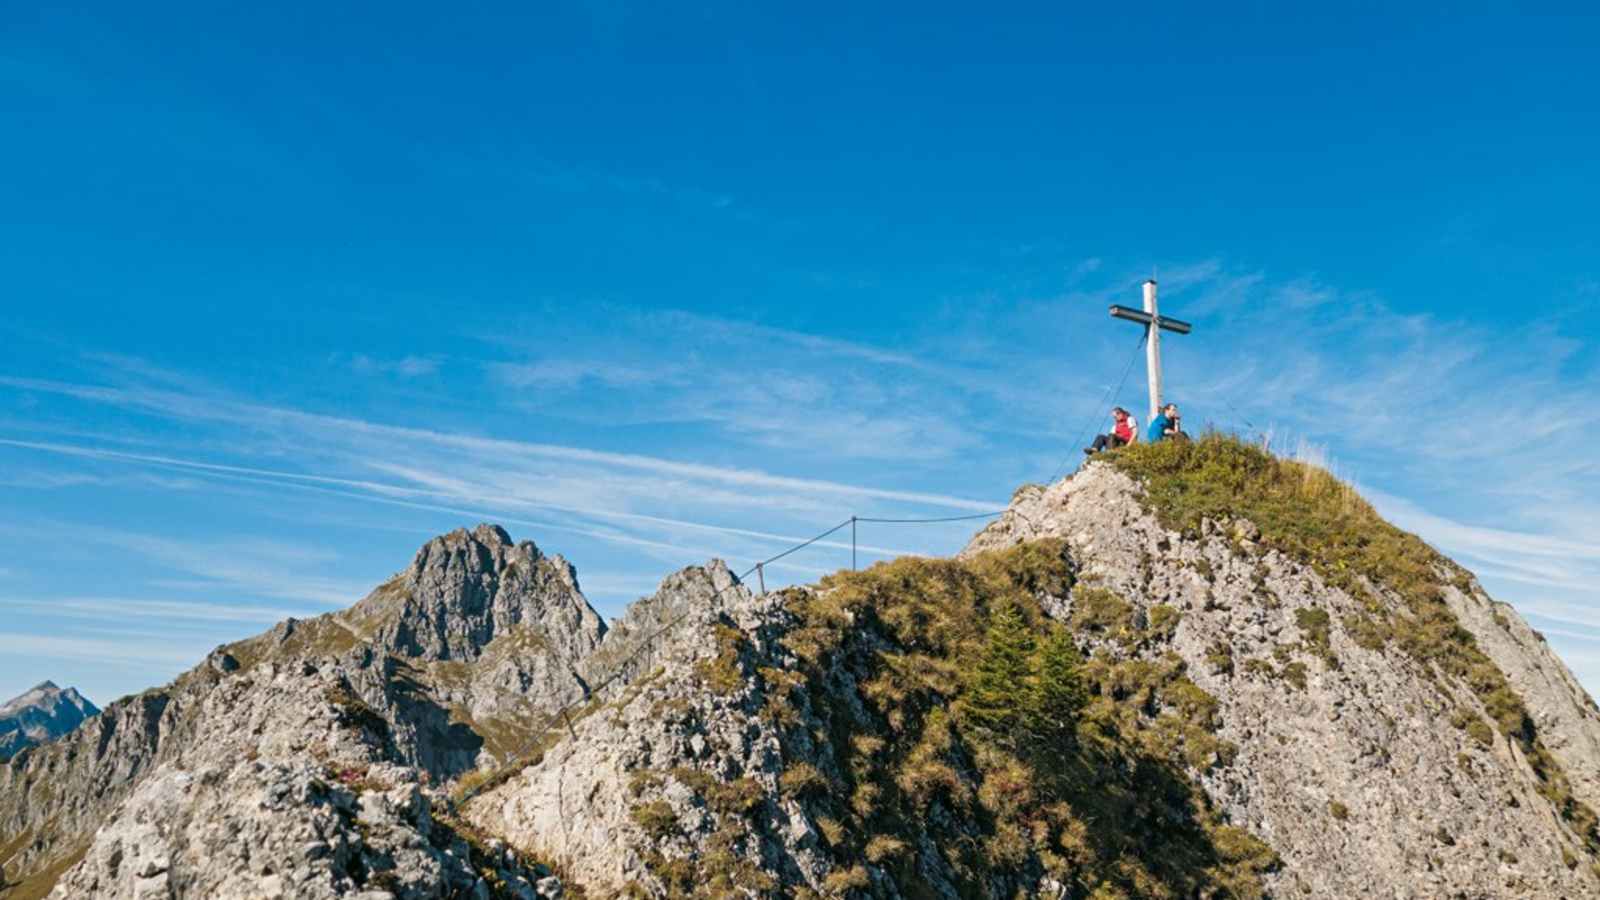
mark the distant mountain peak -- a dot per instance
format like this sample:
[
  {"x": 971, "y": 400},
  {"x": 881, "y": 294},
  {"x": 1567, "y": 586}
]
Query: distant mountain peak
[{"x": 41, "y": 714}]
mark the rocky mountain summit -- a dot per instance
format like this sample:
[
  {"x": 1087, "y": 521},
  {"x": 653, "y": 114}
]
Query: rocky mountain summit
[
  {"x": 1186, "y": 671},
  {"x": 42, "y": 713}
]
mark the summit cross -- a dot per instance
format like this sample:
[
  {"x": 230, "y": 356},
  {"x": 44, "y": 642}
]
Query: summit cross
[{"x": 1153, "y": 322}]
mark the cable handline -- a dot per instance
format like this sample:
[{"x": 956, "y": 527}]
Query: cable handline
[
  {"x": 801, "y": 546},
  {"x": 1095, "y": 417},
  {"x": 987, "y": 515},
  {"x": 1233, "y": 409}
]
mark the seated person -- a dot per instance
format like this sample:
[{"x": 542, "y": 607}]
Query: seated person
[
  {"x": 1124, "y": 431},
  {"x": 1165, "y": 425}
]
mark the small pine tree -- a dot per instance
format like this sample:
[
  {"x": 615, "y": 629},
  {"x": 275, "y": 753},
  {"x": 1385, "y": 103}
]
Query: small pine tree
[
  {"x": 1058, "y": 693},
  {"x": 998, "y": 687}
]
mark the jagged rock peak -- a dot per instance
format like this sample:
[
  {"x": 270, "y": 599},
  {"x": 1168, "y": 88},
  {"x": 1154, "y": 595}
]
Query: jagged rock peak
[
  {"x": 466, "y": 587},
  {"x": 485, "y": 535},
  {"x": 485, "y": 549}
]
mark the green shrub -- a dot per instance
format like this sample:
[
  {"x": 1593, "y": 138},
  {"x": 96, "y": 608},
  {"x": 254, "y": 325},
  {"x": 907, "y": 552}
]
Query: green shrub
[
  {"x": 1315, "y": 626},
  {"x": 1295, "y": 674},
  {"x": 832, "y": 830},
  {"x": 1474, "y": 725},
  {"x": 843, "y": 881},
  {"x": 1058, "y": 693},
  {"x": 741, "y": 796},
  {"x": 722, "y": 673},
  {"x": 1369, "y": 631},
  {"x": 996, "y": 696},
  {"x": 802, "y": 780},
  {"x": 656, "y": 818},
  {"x": 1098, "y": 611},
  {"x": 1219, "y": 657},
  {"x": 884, "y": 847},
  {"x": 1163, "y": 622}
]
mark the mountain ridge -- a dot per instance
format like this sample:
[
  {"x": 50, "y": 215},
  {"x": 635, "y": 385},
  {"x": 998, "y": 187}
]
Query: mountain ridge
[{"x": 1250, "y": 720}]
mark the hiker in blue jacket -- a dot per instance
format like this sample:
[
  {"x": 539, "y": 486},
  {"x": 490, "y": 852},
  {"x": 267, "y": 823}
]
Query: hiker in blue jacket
[{"x": 1166, "y": 424}]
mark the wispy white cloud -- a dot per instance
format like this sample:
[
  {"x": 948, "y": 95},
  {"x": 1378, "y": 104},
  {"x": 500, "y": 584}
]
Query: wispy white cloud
[
  {"x": 404, "y": 367},
  {"x": 761, "y": 338},
  {"x": 101, "y": 609},
  {"x": 50, "y": 480},
  {"x": 672, "y": 552},
  {"x": 95, "y": 650},
  {"x": 377, "y": 440},
  {"x": 499, "y": 493},
  {"x": 761, "y": 385},
  {"x": 510, "y": 492},
  {"x": 572, "y": 373},
  {"x": 1512, "y": 547},
  {"x": 251, "y": 567},
  {"x": 42, "y": 479}
]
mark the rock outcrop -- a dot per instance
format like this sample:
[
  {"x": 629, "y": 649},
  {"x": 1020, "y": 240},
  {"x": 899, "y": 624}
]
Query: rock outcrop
[
  {"x": 1125, "y": 686},
  {"x": 1352, "y": 761}
]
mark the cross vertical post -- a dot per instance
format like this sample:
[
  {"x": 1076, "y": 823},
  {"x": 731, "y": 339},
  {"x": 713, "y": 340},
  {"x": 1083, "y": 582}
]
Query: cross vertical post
[{"x": 1152, "y": 348}]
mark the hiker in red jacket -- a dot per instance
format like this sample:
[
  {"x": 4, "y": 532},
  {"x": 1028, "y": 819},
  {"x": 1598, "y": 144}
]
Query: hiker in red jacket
[{"x": 1124, "y": 431}]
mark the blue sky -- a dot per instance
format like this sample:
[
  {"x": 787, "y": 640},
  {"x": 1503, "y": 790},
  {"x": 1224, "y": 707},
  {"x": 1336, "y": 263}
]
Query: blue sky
[{"x": 287, "y": 291}]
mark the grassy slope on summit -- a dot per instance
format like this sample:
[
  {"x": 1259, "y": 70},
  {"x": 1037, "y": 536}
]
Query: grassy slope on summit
[{"x": 1309, "y": 515}]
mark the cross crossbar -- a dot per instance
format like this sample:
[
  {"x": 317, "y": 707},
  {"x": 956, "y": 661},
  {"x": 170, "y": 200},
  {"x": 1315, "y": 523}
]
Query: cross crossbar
[
  {"x": 1144, "y": 318},
  {"x": 1154, "y": 323}
]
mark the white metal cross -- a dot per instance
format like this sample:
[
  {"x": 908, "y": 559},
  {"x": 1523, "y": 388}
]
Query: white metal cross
[{"x": 1153, "y": 322}]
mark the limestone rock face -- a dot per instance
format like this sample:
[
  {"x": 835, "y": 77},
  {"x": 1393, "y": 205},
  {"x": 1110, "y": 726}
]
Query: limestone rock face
[
  {"x": 657, "y": 731},
  {"x": 258, "y": 829},
  {"x": 466, "y": 588}
]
